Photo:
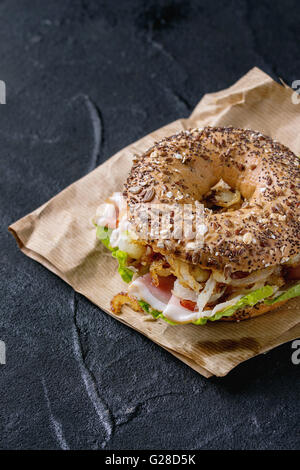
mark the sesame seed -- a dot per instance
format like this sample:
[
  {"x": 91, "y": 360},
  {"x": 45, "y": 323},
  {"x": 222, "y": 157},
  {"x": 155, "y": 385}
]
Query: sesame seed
[{"x": 247, "y": 238}]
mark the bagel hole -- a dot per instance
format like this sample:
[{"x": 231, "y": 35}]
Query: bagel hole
[{"x": 223, "y": 198}]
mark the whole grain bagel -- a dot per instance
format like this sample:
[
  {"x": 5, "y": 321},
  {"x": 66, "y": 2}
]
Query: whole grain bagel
[
  {"x": 182, "y": 168},
  {"x": 251, "y": 312}
]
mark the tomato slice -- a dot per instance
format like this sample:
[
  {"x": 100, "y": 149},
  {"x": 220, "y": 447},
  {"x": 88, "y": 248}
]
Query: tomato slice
[
  {"x": 166, "y": 283},
  {"x": 163, "y": 291},
  {"x": 189, "y": 304}
]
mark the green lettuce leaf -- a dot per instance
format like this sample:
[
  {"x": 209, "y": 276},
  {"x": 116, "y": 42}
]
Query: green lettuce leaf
[
  {"x": 125, "y": 272},
  {"x": 155, "y": 313},
  {"x": 292, "y": 292},
  {"x": 103, "y": 234},
  {"x": 248, "y": 300}
]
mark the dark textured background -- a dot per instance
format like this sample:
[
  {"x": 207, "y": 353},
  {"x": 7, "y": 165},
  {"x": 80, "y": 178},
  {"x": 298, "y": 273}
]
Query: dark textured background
[{"x": 76, "y": 378}]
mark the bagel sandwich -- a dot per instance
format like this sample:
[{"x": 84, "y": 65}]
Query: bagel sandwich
[{"x": 229, "y": 247}]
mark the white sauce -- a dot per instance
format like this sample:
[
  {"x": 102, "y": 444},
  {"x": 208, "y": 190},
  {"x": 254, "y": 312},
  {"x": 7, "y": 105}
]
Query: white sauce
[
  {"x": 119, "y": 201},
  {"x": 108, "y": 215},
  {"x": 120, "y": 236}
]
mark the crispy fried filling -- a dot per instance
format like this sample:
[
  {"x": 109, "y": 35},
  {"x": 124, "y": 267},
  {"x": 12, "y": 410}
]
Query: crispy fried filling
[
  {"x": 194, "y": 278},
  {"x": 223, "y": 198},
  {"x": 193, "y": 281}
]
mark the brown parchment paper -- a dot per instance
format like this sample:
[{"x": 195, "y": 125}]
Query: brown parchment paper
[{"x": 60, "y": 236}]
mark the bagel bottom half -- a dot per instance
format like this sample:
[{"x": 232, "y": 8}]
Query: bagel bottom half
[{"x": 251, "y": 312}]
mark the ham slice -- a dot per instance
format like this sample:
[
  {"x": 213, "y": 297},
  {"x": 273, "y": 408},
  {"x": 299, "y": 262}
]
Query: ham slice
[
  {"x": 156, "y": 296},
  {"x": 160, "y": 298},
  {"x": 174, "y": 311}
]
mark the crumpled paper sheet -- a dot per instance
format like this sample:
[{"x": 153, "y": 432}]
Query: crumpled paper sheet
[{"x": 60, "y": 236}]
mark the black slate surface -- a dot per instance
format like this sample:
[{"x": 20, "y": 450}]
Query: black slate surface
[{"x": 75, "y": 378}]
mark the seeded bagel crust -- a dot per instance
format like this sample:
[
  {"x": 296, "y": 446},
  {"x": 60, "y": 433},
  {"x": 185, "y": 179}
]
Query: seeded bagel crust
[
  {"x": 251, "y": 312},
  {"x": 182, "y": 168}
]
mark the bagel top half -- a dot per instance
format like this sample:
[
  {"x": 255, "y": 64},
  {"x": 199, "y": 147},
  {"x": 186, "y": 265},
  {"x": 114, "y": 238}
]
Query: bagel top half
[{"x": 182, "y": 168}]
